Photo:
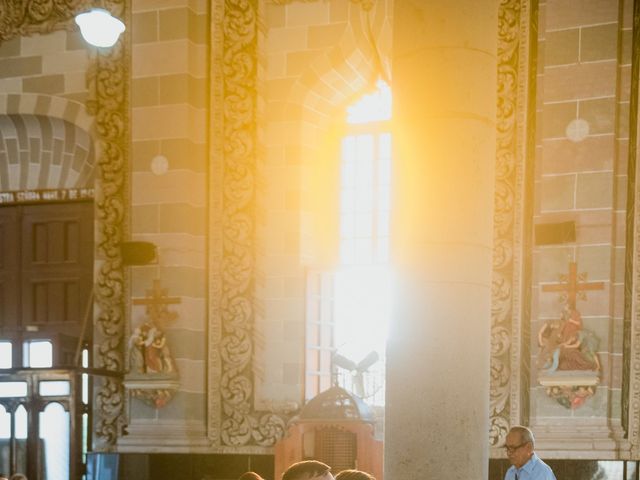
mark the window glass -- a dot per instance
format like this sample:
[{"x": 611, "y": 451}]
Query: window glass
[
  {"x": 54, "y": 387},
  {"x": 38, "y": 354},
  {"x": 6, "y": 351},
  {"x": 13, "y": 389},
  {"x": 54, "y": 432}
]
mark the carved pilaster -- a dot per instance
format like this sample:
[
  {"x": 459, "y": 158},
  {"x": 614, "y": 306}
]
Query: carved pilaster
[
  {"x": 233, "y": 420},
  {"x": 631, "y": 373},
  {"x": 511, "y": 281},
  {"x": 108, "y": 79}
]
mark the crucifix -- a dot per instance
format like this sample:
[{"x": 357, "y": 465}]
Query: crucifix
[
  {"x": 573, "y": 285},
  {"x": 157, "y": 302}
]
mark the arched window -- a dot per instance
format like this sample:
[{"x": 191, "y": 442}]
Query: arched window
[{"x": 351, "y": 306}]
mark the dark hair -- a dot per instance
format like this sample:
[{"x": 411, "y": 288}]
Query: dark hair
[
  {"x": 305, "y": 470},
  {"x": 250, "y": 476},
  {"x": 354, "y": 475}
]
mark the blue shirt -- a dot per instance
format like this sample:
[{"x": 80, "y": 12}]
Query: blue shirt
[{"x": 534, "y": 469}]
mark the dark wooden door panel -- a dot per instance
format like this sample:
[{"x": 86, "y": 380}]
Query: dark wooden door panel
[
  {"x": 46, "y": 264},
  {"x": 56, "y": 264},
  {"x": 9, "y": 268}
]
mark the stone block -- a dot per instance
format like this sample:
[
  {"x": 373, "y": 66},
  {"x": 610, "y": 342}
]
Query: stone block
[
  {"x": 595, "y": 262},
  {"x": 144, "y": 218},
  {"x": 556, "y": 117},
  {"x": 183, "y": 281},
  {"x": 586, "y": 80},
  {"x": 594, "y": 190},
  {"x": 300, "y": 61},
  {"x": 599, "y": 42},
  {"x": 564, "y": 156},
  {"x": 561, "y": 46},
  {"x": 558, "y": 192},
  {"x": 173, "y": 88},
  {"x": 304, "y": 13},
  {"x": 173, "y": 24},
  {"x": 325, "y": 35},
  {"x": 144, "y": 27},
  {"x": 600, "y": 113},
  {"x": 574, "y": 13},
  {"x": 144, "y": 92},
  {"x": 20, "y": 67},
  {"x": 198, "y": 30},
  {"x": 10, "y": 48},
  {"x": 160, "y": 58},
  {"x": 275, "y": 16},
  {"x": 286, "y": 39},
  {"x": 50, "y": 84},
  {"x": 182, "y": 218},
  {"x": 185, "y": 344}
]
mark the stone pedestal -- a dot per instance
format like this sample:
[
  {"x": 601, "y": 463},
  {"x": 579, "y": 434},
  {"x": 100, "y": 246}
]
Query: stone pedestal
[{"x": 444, "y": 84}]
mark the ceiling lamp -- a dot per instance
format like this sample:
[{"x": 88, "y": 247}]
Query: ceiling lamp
[{"x": 99, "y": 27}]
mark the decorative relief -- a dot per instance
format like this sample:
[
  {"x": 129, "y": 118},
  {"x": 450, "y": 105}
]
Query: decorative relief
[
  {"x": 108, "y": 101},
  {"x": 631, "y": 374},
  {"x": 507, "y": 322},
  {"x": 24, "y": 17},
  {"x": 233, "y": 206},
  {"x": 366, "y": 4}
]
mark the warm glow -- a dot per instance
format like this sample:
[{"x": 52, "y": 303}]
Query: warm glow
[
  {"x": 362, "y": 302},
  {"x": 372, "y": 107},
  {"x": 99, "y": 27}
]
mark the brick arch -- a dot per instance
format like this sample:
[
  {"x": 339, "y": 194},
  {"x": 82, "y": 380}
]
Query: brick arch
[
  {"x": 339, "y": 76},
  {"x": 333, "y": 80},
  {"x": 45, "y": 143}
]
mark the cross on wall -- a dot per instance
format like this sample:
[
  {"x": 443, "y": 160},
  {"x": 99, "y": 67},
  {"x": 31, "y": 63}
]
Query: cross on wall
[
  {"x": 157, "y": 301},
  {"x": 573, "y": 285}
]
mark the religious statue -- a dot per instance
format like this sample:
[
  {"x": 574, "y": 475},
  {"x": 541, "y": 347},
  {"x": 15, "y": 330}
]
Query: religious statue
[
  {"x": 148, "y": 350},
  {"x": 567, "y": 362},
  {"x": 566, "y": 345},
  {"x": 152, "y": 376}
]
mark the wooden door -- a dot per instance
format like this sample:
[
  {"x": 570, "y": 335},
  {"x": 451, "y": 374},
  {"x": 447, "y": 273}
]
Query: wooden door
[{"x": 46, "y": 263}]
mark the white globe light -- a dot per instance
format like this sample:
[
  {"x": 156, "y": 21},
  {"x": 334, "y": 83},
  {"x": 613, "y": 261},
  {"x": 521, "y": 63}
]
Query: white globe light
[{"x": 99, "y": 27}]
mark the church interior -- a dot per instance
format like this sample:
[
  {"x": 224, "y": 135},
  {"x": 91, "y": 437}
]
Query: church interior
[{"x": 374, "y": 233}]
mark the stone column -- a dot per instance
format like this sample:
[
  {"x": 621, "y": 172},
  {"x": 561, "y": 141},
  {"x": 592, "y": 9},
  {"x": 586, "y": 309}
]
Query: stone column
[{"x": 444, "y": 89}]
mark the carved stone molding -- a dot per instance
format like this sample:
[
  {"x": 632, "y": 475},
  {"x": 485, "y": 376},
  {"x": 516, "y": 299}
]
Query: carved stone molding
[
  {"x": 509, "y": 301},
  {"x": 234, "y": 425},
  {"x": 24, "y": 17},
  {"x": 631, "y": 373},
  {"x": 107, "y": 77}
]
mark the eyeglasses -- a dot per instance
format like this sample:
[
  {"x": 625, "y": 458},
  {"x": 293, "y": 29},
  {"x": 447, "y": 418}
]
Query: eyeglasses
[{"x": 513, "y": 448}]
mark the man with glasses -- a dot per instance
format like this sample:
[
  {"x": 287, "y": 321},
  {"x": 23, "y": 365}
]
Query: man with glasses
[{"x": 525, "y": 464}]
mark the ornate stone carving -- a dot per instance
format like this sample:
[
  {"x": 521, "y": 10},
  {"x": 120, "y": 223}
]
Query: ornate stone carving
[
  {"x": 631, "y": 374},
  {"x": 366, "y": 4},
  {"x": 108, "y": 79},
  {"x": 508, "y": 267},
  {"x": 23, "y": 17},
  {"x": 233, "y": 421}
]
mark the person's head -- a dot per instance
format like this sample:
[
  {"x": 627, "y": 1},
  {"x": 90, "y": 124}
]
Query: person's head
[
  {"x": 18, "y": 476},
  {"x": 250, "y": 476},
  {"x": 308, "y": 470},
  {"x": 519, "y": 445},
  {"x": 354, "y": 475}
]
